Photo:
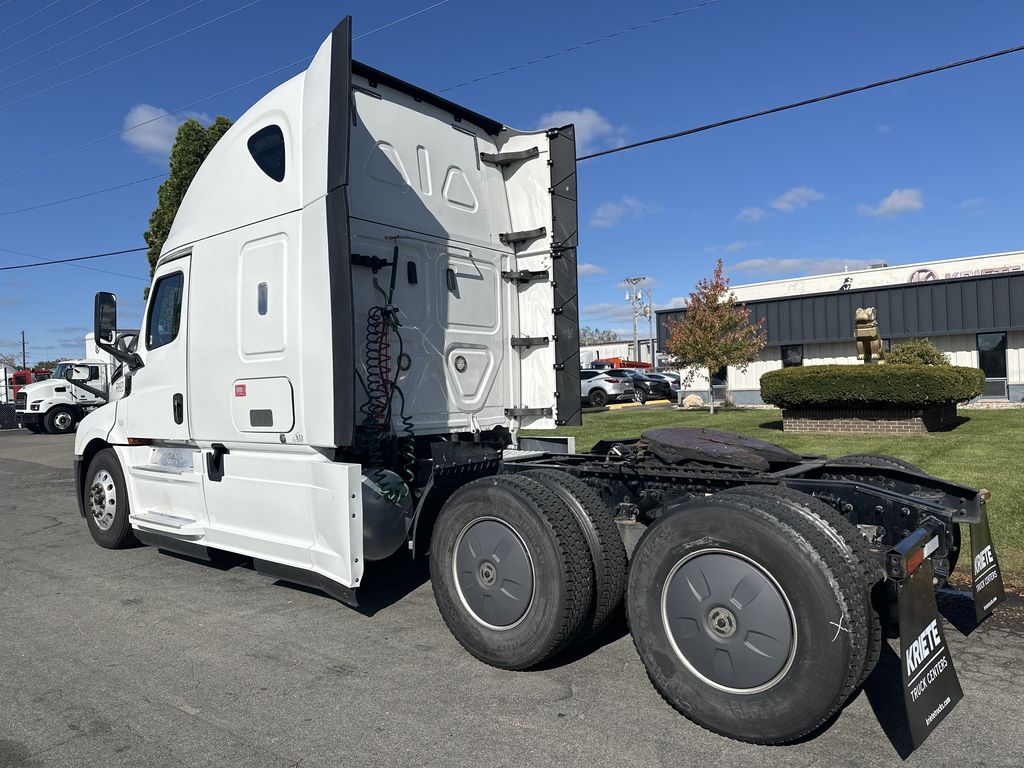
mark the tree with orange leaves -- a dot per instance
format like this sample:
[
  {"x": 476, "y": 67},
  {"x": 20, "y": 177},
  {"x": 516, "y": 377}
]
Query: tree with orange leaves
[{"x": 715, "y": 331}]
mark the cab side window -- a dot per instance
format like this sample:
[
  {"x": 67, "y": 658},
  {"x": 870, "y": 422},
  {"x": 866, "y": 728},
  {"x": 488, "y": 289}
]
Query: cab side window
[{"x": 165, "y": 311}]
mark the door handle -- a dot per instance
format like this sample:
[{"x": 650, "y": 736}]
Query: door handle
[
  {"x": 215, "y": 462},
  {"x": 178, "y": 408}
]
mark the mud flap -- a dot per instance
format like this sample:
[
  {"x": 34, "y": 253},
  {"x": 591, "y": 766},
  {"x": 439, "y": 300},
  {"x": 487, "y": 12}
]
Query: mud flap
[
  {"x": 930, "y": 686},
  {"x": 987, "y": 581}
]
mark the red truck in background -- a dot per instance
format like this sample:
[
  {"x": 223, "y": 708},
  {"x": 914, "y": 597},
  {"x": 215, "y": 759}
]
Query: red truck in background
[
  {"x": 18, "y": 379},
  {"x": 619, "y": 362}
]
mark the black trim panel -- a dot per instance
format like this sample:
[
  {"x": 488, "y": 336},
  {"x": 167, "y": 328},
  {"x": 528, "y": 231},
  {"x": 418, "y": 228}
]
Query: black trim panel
[
  {"x": 339, "y": 253},
  {"x": 564, "y": 239},
  {"x": 376, "y": 77}
]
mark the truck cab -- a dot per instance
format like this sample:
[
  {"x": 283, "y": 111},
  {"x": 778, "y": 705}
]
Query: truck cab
[{"x": 58, "y": 403}]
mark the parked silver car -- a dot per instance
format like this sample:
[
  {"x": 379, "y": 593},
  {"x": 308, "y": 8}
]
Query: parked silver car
[{"x": 598, "y": 388}]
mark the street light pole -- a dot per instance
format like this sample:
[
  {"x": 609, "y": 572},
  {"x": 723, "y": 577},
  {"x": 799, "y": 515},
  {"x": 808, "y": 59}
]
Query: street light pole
[{"x": 633, "y": 296}]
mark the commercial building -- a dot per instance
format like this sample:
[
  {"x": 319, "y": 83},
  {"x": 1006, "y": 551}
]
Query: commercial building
[{"x": 971, "y": 308}]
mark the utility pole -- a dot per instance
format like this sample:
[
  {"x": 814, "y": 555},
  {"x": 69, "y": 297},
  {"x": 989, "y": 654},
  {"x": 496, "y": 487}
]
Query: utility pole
[
  {"x": 648, "y": 311},
  {"x": 24, "y": 361},
  {"x": 633, "y": 296}
]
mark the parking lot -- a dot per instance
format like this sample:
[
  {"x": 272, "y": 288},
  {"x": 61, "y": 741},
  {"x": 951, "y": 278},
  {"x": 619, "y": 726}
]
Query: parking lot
[{"x": 140, "y": 658}]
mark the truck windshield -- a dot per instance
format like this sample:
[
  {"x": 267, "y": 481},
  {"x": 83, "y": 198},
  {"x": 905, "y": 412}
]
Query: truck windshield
[{"x": 58, "y": 372}]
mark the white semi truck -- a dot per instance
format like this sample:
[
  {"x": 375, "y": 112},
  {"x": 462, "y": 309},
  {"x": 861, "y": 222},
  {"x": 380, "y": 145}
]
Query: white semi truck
[
  {"x": 77, "y": 387},
  {"x": 367, "y": 294}
]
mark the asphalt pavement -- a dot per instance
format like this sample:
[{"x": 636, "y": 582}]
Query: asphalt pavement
[{"x": 137, "y": 658}]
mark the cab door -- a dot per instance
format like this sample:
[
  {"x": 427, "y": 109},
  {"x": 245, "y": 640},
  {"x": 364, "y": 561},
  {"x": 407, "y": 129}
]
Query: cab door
[{"x": 158, "y": 407}]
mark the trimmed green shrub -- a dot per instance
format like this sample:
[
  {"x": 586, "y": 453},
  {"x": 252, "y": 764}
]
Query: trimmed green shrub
[
  {"x": 916, "y": 352},
  {"x": 870, "y": 386}
]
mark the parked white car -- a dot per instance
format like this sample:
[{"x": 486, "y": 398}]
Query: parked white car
[{"x": 598, "y": 388}]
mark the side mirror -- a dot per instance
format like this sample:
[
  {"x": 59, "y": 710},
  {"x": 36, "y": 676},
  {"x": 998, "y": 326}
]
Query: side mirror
[
  {"x": 77, "y": 373},
  {"x": 105, "y": 317}
]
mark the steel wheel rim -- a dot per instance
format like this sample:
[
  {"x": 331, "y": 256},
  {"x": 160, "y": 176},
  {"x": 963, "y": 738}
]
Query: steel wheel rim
[
  {"x": 729, "y": 621},
  {"x": 493, "y": 572},
  {"x": 62, "y": 420},
  {"x": 103, "y": 500}
]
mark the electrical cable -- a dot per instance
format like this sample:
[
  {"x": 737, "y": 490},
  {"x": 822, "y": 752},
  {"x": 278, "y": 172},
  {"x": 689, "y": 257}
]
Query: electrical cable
[
  {"x": 197, "y": 102},
  {"x": 74, "y": 259},
  {"x": 806, "y": 102},
  {"x": 50, "y": 26},
  {"x": 30, "y": 16},
  {"x": 78, "y": 34},
  {"x": 107, "y": 44},
  {"x": 130, "y": 55},
  {"x": 579, "y": 46},
  {"x": 84, "y": 194},
  {"x": 77, "y": 266}
]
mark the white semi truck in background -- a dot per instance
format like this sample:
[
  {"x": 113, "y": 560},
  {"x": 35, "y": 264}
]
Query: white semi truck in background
[
  {"x": 59, "y": 403},
  {"x": 367, "y": 294}
]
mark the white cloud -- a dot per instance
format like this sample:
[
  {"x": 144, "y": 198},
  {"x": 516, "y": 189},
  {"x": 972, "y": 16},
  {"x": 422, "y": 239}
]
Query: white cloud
[
  {"x": 612, "y": 213},
  {"x": 736, "y": 245},
  {"x": 797, "y": 197},
  {"x": 772, "y": 266},
  {"x": 751, "y": 215},
  {"x": 883, "y": 129},
  {"x": 157, "y": 128},
  {"x": 898, "y": 202},
  {"x": 973, "y": 204},
  {"x": 619, "y": 312},
  {"x": 593, "y": 130},
  {"x": 587, "y": 270}
]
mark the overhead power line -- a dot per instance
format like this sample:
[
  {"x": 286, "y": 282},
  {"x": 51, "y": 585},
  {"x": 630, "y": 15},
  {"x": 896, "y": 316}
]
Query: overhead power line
[
  {"x": 78, "y": 34},
  {"x": 805, "y": 102},
  {"x": 78, "y": 266},
  {"x": 579, "y": 46},
  {"x": 197, "y": 102},
  {"x": 74, "y": 259},
  {"x": 117, "y": 60},
  {"x": 84, "y": 194},
  {"x": 50, "y": 26},
  {"x": 30, "y": 16}
]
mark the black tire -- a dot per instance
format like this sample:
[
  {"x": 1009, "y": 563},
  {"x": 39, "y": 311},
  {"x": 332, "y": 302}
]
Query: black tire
[
  {"x": 60, "y": 420},
  {"x": 799, "y": 677},
  {"x": 602, "y": 535},
  {"x": 104, "y": 483},
  {"x": 640, "y": 396},
  {"x": 850, "y": 543},
  {"x": 598, "y": 398},
  {"x": 517, "y": 512},
  {"x": 891, "y": 462}
]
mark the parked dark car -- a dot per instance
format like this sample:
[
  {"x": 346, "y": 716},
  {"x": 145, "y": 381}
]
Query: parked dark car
[{"x": 646, "y": 387}]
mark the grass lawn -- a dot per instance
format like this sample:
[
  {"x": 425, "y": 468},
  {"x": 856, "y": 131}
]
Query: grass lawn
[{"x": 986, "y": 451}]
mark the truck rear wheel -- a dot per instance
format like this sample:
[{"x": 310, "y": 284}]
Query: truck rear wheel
[
  {"x": 59, "y": 420},
  {"x": 105, "y": 499},
  {"x": 848, "y": 541},
  {"x": 511, "y": 571},
  {"x": 603, "y": 539},
  {"x": 748, "y": 620}
]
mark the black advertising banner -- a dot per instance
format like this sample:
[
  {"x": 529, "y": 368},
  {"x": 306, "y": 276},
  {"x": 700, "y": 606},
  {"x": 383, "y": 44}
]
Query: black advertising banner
[
  {"x": 930, "y": 686},
  {"x": 987, "y": 583}
]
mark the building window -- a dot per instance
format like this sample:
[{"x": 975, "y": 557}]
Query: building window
[
  {"x": 992, "y": 361},
  {"x": 792, "y": 355}
]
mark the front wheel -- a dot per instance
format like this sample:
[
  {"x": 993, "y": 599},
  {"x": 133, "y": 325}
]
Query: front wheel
[
  {"x": 639, "y": 396},
  {"x": 105, "y": 499},
  {"x": 748, "y": 619},
  {"x": 59, "y": 420}
]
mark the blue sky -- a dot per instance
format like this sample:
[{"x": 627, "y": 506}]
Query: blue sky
[{"x": 919, "y": 171}]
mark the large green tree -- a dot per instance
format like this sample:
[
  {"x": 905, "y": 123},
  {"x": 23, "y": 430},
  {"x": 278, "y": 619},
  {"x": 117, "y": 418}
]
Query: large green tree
[
  {"x": 191, "y": 146},
  {"x": 715, "y": 331}
]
